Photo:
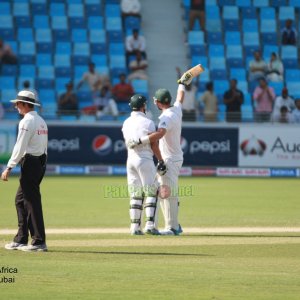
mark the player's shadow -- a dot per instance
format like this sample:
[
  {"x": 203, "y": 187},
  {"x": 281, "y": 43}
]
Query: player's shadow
[{"x": 129, "y": 253}]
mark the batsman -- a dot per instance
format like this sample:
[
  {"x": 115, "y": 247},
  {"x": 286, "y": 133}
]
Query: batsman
[{"x": 169, "y": 136}]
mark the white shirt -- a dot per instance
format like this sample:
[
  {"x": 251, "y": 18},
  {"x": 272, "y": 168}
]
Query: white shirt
[
  {"x": 131, "y": 6},
  {"x": 295, "y": 116},
  {"x": 135, "y": 127},
  {"x": 169, "y": 144},
  {"x": 32, "y": 138},
  {"x": 190, "y": 98},
  {"x": 135, "y": 44},
  {"x": 279, "y": 102}
]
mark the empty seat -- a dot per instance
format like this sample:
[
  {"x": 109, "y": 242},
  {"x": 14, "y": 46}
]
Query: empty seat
[
  {"x": 112, "y": 11},
  {"x": 44, "y": 59},
  {"x": 98, "y": 48},
  {"x": 93, "y": 10},
  {"x": 7, "y": 82},
  {"x": 251, "y": 39},
  {"x": 268, "y": 26},
  {"x": 41, "y": 22},
  {"x": 238, "y": 74},
  {"x": 5, "y": 9},
  {"x": 267, "y": 13},
  {"x": 23, "y": 21},
  {"x": 77, "y": 22},
  {"x": 269, "y": 38},
  {"x": 43, "y": 35},
  {"x": 232, "y": 38},
  {"x": 221, "y": 86},
  {"x": 250, "y": 25},
  {"x": 292, "y": 75},
  {"x": 230, "y": 12},
  {"x": 234, "y": 51},
  {"x": 260, "y": 3},
  {"x": 269, "y": 49},
  {"x": 140, "y": 86},
  {"x": 63, "y": 72},
  {"x": 8, "y": 94},
  {"x": 27, "y": 70},
  {"x": 117, "y": 61},
  {"x": 217, "y": 63},
  {"x": 61, "y": 35},
  {"x": 216, "y": 51},
  {"x": 113, "y": 23},
  {"x": 62, "y": 60},
  {"x": 278, "y": 3},
  {"x": 6, "y": 21},
  {"x": 81, "y": 49},
  {"x": 21, "y": 9},
  {"x": 39, "y": 9},
  {"x": 59, "y": 22},
  {"x": 95, "y": 22},
  {"x": 75, "y": 10},
  {"x": 99, "y": 60},
  {"x": 27, "y": 48},
  {"x": 25, "y": 35},
  {"x": 44, "y": 47},
  {"x": 218, "y": 74},
  {"x": 63, "y": 48},
  {"x": 231, "y": 25},
  {"x": 132, "y": 23},
  {"x": 215, "y": 38},
  {"x": 286, "y": 12},
  {"x": 46, "y": 72},
  {"x": 116, "y": 49},
  {"x": 212, "y": 12},
  {"x": 57, "y": 9},
  {"x": 79, "y": 35},
  {"x": 196, "y": 37},
  {"x": 243, "y": 3},
  {"x": 249, "y": 12},
  {"x": 97, "y": 36},
  {"x": 7, "y": 34},
  {"x": 247, "y": 113},
  {"x": 9, "y": 70},
  {"x": 289, "y": 52}
]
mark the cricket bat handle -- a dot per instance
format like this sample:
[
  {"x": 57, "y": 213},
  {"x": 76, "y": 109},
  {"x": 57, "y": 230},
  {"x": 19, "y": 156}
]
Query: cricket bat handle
[{"x": 188, "y": 76}]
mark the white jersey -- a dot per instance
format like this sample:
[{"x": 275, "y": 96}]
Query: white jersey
[
  {"x": 136, "y": 127},
  {"x": 32, "y": 138},
  {"x": 169, "y": 144}
]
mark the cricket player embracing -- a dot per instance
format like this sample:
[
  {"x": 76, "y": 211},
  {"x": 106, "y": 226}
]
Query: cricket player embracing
[
  {"x": 169, "y": 136},
  {"x": 141, "y": 171}
]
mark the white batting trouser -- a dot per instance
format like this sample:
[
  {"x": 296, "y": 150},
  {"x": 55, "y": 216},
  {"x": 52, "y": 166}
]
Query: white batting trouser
[
  {"x": 141, "y": 177},
  {"x": 170, "y": 205}
]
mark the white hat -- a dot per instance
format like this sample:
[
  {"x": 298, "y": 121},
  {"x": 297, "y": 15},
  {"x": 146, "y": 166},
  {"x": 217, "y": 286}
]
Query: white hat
[{"x": 27, "y": 97}]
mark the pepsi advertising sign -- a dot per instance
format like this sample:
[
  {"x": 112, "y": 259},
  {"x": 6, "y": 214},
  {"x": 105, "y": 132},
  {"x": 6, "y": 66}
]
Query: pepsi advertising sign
[
  {"x": 210, "y": 146},
  {"x": 86, "y": 145}
]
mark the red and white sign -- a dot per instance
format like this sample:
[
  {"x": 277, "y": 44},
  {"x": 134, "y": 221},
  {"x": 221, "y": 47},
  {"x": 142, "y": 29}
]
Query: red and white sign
[
  {"x": 271, "y": 146},
  {"x": 243, "y": 172}
]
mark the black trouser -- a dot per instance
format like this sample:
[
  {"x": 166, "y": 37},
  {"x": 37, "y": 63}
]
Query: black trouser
[{"x": 28, "y": 200}]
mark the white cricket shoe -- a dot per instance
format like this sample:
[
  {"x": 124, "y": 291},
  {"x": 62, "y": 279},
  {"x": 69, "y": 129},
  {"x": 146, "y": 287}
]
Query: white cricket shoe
[
  {"x": 35, "y": 248},
  {"x": 137, "y": 232},
  {"x": 14, "y": 246}
]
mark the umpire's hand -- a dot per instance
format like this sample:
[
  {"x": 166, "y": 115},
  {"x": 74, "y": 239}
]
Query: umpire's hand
[
  {"x": 161, "y": 168},
  {"x": 5, "y": 174}
]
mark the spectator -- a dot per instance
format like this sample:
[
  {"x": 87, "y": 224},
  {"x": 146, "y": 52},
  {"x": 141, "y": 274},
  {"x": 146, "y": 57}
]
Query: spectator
[
  {"x": 285, "y": 116},
  {"x": 189, "y": 112},
  {"x": 296, "y": 112},
  {"x": 1, "y": 111},
  {"x": 275, "y": 69},
  {"x": 123, "y": 90},
  {"x": 197, "y": 12},
  {"x": 131, "y": 8},
  {"x": 257, "y": 67},
  {"x": 233, "y": 99},
  {"x": 210, "y": 102},
  {"x": 283, "y": 100},
  {"x": 67, "y": 103},
  {"x": 105, "y": 104},
  {"x": 289, "y": 34},
  {"x": 6, "y": 54},
  {"x": 93, "y": 79},
  {"x": 135, "y": 43},
  {"x": 263, "y": 97},
  {"x": 138, "y": 68}
]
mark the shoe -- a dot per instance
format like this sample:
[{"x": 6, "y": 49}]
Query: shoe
[
  {"x": 35, "y": 248},
  {"x": 14, "y": 246},
  {"x": 171, "y": 231},
  {"x": 152, "y": 231},
  {"x": 179, "y": 230},
  {"x": 137, "y": 232}
]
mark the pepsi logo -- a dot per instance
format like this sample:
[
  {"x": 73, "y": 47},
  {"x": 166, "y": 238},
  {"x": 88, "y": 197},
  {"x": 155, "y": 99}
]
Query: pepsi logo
[
  {"x": 253, "y": 146},
  {"x": 102, "y": 145},
  {"x": 184, "y": 145}
]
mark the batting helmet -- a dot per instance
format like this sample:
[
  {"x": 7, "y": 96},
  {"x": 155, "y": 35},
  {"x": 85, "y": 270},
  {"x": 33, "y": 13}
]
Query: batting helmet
[
  {"x": 163, "y": 96},
  {"x": 137, "y": 101}
]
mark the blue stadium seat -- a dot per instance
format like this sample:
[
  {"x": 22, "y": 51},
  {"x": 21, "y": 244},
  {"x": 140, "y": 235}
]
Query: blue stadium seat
[
  {"x": 278, "y": 3},
  {"x": 218, "y": 74},
  {"x": 247, "y": 113},
  {"x": 59, "y": 22},
  {"x": 243, "y": 3},
  {"x": 251, "y": 39},
  {"x": 289, "y": 52},
  {"x": 232, "y": 38},
  {"x": 293, "y": 88},
  {"x": 115, "y": 36},
  {"x": 235, "y": 62},
  {"x": 93, "y": 10},
  {"x": 80, "y": 60},
  {"x": 226, "y": 2},
  {"x": 292, "y": 75},
  {"x": 47, "y": 96},
  {"x": 116, "y": 49},
  {"x": 269, "y": 38},
  {"x": 77, "y": 22},
  {"x": 242, "y": 85},
  {"x": 81, "y": 49},
  {"x": 5, "y": 9},
  {"x": 27, "y": 70},
  {"x": 6, "y": 21},
  {"x": 44, "y": 59},
  {"x": 217, "y": 63},
  {"x": 98, "y": 48},
  {"x": 60, "y": 83},
  {"x": 267, "y": 13},
  {"x": 268, "y": 26},
  {"x": 99, "y": 60},
  {"x": 294, "y": 3},
  {"x": 234, "y": 51},
  {"x": 113, "y": 23},
  {"x": 212, "y": 12},
  {"x": 286, "y": 12},
  {"x": 221, "y": 86},
  {"x": 250, "y": 25},
  {"x": 215, "y": 38},
  {"x": 203, "y": 60},
  {"x": 249, "y": 13},
  {"x": 7, "y": 34},
  {"x": 75, "y": 10},
  {"x": 277, "y": 86},
  {"x": 230, "y": 12},
  {"x": 26, "y": 59},
  {"x": 27, "y": 48},
  {"x": 140, "y": 86},
  {"x": 260, "y": 3},
  {"x": 132, "y": 23},
  {"x": 63, "y": 48},
  {"x": 79, "y": 35},
  {"x": 238, "y": 73},
  {"x": 41, "y": 22},
  {"x": 84, "y": 96},
  {"x": 62, "y": 60},
  {"x": 112, "y": 11},
  {"x": 117, "y": 61},
  {"x": 61, "y": 35},
  {"x": 216, "y": 51},
  {"x": 197, "y": 50},
  {"x": 39, "y": 9},
  {"x": 247, "y": 99},
  {"x": 43, "y": 36},
  {"x": 97, "y": 36},
  {"x": 63, "y": 72},
  {"x": 7, "y": 82},
  {"x": 57, "y": 9},
  {"x": 231, "y": 25},
  {"x": 213, "y": 25},
  {"x": 21, "y": 9},
  {"x": 25, "y": 35},
  {"x": 7, "y": 95},
  {"x": 23, "y": 21},
  {"x": 9, "y": 70},
  {"x": 46, "y": 72},
  {"x": 95, "y": 22},
  {"x": 196, "y": 38}
]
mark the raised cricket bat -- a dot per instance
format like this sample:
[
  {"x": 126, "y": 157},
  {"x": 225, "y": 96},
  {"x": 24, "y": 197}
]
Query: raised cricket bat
[{"x": 188, "y": 76}]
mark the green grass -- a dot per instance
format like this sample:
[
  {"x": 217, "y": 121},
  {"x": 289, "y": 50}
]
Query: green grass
[{"x": 118, "y": 266}]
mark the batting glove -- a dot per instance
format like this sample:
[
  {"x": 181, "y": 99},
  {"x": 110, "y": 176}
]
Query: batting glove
[
  {"x": 161, "y": 168},
  {"x": 186, "y": 78},
  {"x": 133, "y": 143}
]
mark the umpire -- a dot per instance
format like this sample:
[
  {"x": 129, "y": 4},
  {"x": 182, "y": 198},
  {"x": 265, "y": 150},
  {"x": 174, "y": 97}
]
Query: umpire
[{"x": 30, "y": 151}]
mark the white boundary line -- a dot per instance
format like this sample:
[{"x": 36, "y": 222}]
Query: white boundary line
[{"x": 203, "y": 230}]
